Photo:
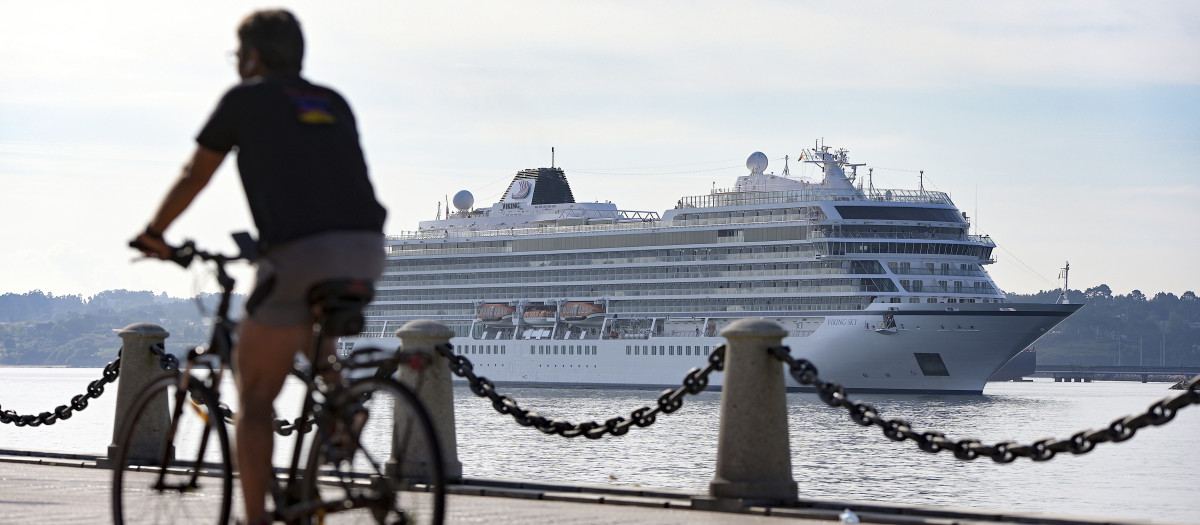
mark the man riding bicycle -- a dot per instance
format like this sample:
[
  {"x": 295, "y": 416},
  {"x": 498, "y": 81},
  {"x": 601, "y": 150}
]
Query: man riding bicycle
[{"x": 306, "y": 182}]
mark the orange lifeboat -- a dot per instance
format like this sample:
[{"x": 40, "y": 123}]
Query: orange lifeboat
[
  {"x": 539, "y": 316},
  {"x": 494, "y": 313},
  {"x": 582, "y": 313}
]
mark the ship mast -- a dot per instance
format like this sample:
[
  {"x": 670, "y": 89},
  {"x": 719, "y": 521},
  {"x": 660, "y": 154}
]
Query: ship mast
[{"x": 1062, "y": 274}]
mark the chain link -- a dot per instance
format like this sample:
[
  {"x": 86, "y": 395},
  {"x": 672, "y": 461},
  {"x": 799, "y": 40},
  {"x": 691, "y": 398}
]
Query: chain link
[
  {"x": 281, "y": 426},
  {"x": 168, "y": 362},
  {"x": 670, "y": 400},
  {"x": 64, "y": 412},
  {"x": 1081, "y": 442}
]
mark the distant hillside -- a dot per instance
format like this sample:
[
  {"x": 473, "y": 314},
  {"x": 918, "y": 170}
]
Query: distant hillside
[
  {"x": 39, "y": 328},
  {"x": 1125, "y": 329}
]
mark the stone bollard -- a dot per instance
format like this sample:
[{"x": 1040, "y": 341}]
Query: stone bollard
[
  {"x": 139, "y": 366},
  {"x": 754, "y": 462},
  {"x": 435, "y": 391}
]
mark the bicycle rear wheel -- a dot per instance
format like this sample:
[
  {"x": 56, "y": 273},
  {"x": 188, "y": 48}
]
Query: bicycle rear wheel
[
  {"x": 172, "y": 463},
  {"x": 389, "y": 464}
]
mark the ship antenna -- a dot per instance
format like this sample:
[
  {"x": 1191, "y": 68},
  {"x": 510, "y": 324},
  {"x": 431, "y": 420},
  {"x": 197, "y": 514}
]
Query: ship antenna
[
  {"x": 1062, "y": 296},
  {"x": 786, "y": 173},
  {"x": 871, "y": 180},
  {"x": 551, "y": 156},
  {"x": 922, "y": 184}
]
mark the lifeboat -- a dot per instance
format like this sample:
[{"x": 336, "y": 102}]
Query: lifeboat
[
  {"x": 494, "y": 313},
  {"x": 582, "y": 313},
  {"x": 538, "y": 316}
]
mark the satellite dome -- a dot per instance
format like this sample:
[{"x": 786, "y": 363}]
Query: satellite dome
[
  {"x": 757, "y": 163},
  {"x": 463, "y": 200}
]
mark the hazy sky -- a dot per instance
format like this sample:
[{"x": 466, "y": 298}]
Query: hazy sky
[{"x": 1068, "y": 131}]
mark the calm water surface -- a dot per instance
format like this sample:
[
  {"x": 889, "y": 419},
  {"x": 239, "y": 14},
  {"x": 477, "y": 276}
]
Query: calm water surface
[{"x": 1155, "y": 476}]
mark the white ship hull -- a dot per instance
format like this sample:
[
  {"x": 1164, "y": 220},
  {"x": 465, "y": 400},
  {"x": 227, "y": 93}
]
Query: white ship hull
[{"x": 970, "y": 341}]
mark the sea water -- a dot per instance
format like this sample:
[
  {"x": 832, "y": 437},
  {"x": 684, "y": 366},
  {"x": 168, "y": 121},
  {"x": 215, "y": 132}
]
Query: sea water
[{"x": 1154, "y": 476}]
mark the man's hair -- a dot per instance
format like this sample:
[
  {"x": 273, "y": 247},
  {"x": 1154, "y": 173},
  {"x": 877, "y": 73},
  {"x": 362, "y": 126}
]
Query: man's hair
[{"x": 276, "y": 34}]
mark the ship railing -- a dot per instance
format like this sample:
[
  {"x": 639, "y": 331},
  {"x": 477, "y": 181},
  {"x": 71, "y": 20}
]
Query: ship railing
[
  {"x": 762, "y": 216},
  {"x": 811, "y": 195},
  {"x": 938, "y": 272},
  {"x": 951, "y": 289},
  {"x": 818, "y": 234},
  {"x": 468, "y": 233},
  {"x": 982, "y": 239},
  {"x": 625, "y": 215}
]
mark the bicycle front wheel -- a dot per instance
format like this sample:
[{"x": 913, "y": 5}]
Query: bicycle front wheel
[
  {"x": 378, "y": 451},
  {"x": 172, "y": 463}
]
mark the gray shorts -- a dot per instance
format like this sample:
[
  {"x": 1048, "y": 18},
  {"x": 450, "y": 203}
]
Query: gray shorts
[{"x": 287, "y": 271}]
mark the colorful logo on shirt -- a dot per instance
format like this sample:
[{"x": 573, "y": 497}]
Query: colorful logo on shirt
[{"x": 312, "y": 108}]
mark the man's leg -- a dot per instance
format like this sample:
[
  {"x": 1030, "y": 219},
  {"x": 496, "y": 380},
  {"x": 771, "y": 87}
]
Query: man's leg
[{"x": 262, "y": 360}]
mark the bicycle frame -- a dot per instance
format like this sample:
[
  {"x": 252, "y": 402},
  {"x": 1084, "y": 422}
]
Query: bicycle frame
[{"x": 324, "y": 400}]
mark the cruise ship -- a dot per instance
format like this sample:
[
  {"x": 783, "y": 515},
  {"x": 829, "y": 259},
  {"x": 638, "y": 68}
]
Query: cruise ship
[{"x": 884, "y": 290}]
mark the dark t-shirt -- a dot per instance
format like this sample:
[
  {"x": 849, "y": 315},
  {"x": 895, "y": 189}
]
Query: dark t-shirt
[{"x": 299, "y": 158}]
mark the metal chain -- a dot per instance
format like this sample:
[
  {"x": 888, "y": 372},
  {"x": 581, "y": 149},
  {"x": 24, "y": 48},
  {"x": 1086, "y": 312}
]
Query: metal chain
[
  {"x": 281, "y": 426},
  {"x": 168, "y": 362},
  {"x": 63, "y": 412},
  {"x": 670, "y": 400},
  {"x": 1081, "y": 442}
]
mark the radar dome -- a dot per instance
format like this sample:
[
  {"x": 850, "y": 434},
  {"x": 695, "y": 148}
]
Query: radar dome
[
  {"x": 463, "y": 200},
  {"x": 757, "y": 163}
]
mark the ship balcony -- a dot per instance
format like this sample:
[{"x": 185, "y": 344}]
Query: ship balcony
[
  {"x": 937, "y": 271},
  {"x": 722, "y": 198},
  {"x": 818, "y": 234},
  {"x": 986, "y": 289}
]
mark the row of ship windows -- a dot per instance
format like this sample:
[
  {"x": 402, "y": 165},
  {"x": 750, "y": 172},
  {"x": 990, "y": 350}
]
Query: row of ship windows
[
  {"x": 661, "y": 256},
  {"x": 945, "y": 286},
  {"x": 566, "y": 349},
  {"x": 467, "y": 310},
  {"x": 580, "y": 238},
  {"x": 666, "y": 350},
  {"x": 480, "y": 349},
  {"x": 688, "y": 289},
  {"x": 533, "y": 349},
  {"x": 722, "y": 271},
  {"x": 918, "y": 248},
  {"x": 594, "y": 257},
  {"x": 795, "y": 214}
]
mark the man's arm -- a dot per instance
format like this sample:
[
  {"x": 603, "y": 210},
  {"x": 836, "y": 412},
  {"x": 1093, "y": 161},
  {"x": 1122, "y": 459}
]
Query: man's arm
[{"x": 193, "y": 178}]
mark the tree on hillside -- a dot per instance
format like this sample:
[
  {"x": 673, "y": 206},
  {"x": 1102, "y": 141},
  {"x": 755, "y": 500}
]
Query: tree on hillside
[
  {"x": 36, "y": 306},
  {"x": 1126, "y": 329},
  {"x": 1098, "y": 293}
]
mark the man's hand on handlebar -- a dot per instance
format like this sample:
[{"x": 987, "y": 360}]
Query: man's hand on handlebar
[{"x": 151, "y": 244}]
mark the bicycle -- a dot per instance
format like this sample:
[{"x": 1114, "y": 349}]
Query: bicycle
[{"x": 171, "y": 469}]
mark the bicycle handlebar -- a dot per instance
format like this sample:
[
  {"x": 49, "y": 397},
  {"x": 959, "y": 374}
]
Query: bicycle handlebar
[
  {"x": 181, "y": 255},
  {"x": 184, "y": 253}
]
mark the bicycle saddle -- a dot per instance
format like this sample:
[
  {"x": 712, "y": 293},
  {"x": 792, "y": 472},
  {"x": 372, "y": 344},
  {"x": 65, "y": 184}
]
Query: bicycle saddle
[{"x": 341, "y": 303}]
